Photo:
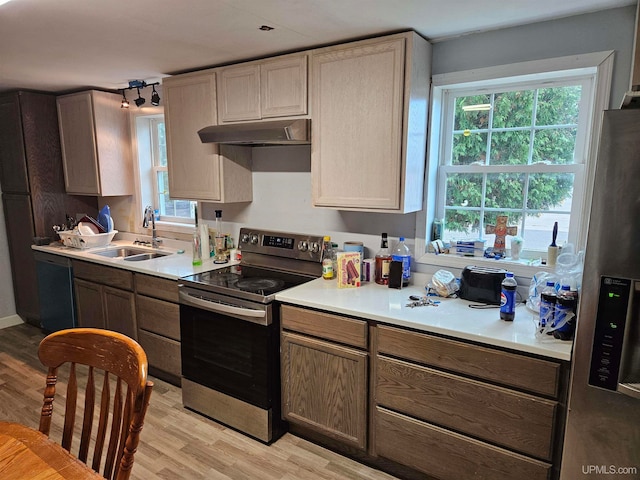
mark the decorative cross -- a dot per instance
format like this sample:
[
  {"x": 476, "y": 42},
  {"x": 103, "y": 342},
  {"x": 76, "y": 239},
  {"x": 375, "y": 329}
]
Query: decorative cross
[{"x": 501, "y": 230}]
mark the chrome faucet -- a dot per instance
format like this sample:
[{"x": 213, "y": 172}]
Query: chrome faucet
[{"x": 149, "y": 216}]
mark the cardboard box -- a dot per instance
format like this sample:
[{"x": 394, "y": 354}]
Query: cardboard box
[
  {"x": 473, "y": 248},
  {"x": 348, "y": 269}
]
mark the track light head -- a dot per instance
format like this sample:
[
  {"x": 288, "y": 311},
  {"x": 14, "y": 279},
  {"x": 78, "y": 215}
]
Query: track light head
[
  {"x": 139, "y": 101},
  {"x": 125, "y": 102},
  {"x": 155, "y": 98}
]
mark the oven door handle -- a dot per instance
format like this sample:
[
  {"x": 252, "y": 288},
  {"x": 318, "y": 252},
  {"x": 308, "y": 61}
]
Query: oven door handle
[{"x": 221, "y": 307}]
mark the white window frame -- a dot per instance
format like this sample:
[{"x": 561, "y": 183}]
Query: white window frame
[
  {"x": 156, "y": 168},
  {"x": 599, "y": 65},
  {"x": 146, "y": 188}
]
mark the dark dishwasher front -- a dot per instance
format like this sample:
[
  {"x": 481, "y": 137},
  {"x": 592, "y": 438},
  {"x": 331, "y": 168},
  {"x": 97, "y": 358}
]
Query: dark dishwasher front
[{"x": 55, "y": 292}]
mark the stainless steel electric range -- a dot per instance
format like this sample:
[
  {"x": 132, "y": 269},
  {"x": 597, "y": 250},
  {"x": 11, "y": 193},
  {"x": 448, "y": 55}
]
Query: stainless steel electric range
[{"x": 230, "y": 328}]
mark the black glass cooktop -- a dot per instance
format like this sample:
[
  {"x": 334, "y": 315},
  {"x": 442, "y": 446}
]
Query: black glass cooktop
[{"x": 245, "y": 282}]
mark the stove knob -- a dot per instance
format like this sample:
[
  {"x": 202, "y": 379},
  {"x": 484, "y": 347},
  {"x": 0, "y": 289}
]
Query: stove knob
[
  {"x": 244, "y": 238},
  {"x": 303, "y": 246},
  {"x": 314, "y": 247},
  {"x": 254, "y": 238}
]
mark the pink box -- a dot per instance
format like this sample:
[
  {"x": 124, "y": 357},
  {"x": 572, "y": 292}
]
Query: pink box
[{"x": 348, "y": 269}]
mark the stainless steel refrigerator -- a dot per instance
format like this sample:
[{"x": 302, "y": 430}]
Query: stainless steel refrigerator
[{"x": 602, "y": 436}]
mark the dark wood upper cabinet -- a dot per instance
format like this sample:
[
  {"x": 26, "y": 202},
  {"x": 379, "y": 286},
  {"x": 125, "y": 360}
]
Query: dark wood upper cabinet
[{"x": 13, "y": 167}]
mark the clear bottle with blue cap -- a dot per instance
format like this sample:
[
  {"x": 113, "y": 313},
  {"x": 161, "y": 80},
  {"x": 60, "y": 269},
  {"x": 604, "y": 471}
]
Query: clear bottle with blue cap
[{"x": 401, "y": 253}]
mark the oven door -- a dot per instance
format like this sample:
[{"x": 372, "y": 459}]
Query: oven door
[{"x": 230, "y": 345}]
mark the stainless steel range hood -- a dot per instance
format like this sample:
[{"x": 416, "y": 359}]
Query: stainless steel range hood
[{"x": 276, "y": 132}]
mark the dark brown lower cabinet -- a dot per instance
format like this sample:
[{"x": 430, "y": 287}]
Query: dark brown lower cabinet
[
  {"x": 447, "y": 455},
  {"x": 90, "y": 312},
  {"x": 418, "y": 405},
  {"x": 158, "y": 318},
  {"x": 451, "y": 409},
  {"x": 105, "y": 298},
  {"x": 324, "y": 382}
]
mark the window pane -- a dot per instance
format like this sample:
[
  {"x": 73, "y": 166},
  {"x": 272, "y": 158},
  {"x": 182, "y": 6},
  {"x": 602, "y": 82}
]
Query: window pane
[
  {"x": 509, "y": 148},
  {"x": 162, "y": 145},
  {"x": 461, "y": 224},
  {"x": 513, "y": 109},
  {"x": 558, "y": 105},
  {"x": 471, "y": 119},
  {"x": 505, "y": 190},
  {"x": 538, "y": 230},
  {"x": 490, "y": 220},
  {"x": 555, "y": 146},
  {"x": 469, "y": 147},
  {"x": 183, "y": 208},
  {"x": 166, "y": 205},
  {"x": 550, "y": 190},
  {"x": 464, "y": 190}
]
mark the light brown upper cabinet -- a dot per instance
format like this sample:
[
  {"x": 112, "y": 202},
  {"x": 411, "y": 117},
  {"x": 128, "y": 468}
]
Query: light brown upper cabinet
[
  {"x": 369, "y": 103},
  {"x": 201, "y": 171},
  {"x": 96, "y": 144},
  {"x": 263, "y": 89}
]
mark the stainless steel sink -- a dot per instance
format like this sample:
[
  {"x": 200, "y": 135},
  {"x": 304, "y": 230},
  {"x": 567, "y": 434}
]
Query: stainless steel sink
[
  {"x": 119, "y": 252},
  {"x": 144, "y": 256},
  {"x": 130, "y": 254}
]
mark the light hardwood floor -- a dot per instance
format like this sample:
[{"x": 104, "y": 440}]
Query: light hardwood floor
[{"x": 175, "y": 443}]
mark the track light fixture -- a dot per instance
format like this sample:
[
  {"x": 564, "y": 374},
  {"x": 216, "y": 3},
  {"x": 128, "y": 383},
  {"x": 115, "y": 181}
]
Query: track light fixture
[
  {"x": 139, "y": 101},
  {"x": 155, "y": 98},
  {"x": 140, "y": 84},
  {"x": 125, "y": 102}
]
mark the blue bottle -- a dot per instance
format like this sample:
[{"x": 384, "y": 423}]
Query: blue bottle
[{"x": 508, "y": 298}]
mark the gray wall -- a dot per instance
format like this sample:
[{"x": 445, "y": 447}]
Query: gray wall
[
  {"x": 594, "y": 32},
  {"x": 282, "y": 181}
]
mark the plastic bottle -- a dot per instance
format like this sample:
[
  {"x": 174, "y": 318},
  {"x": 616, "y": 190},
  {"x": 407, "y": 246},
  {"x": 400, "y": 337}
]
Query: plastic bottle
[
  {"x": 327, "y": 259},
  {"x": 548, "y": 300},
  {"x": 402, "y": 254},
  {"x": 566, "y": 307},
  {"x": 204, "y": 241},
  {"x": 197, "y": 248},
  {"x": 508, "y": 298},
  {"x": 383, "y": 259}
]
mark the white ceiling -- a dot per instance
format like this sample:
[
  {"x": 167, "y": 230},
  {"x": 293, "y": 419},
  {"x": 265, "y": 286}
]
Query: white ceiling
[{"x": 62, "y": 45}]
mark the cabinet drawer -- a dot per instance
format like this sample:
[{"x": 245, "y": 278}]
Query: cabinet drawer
[
  {"x": 157, "y": 287},
  {"x": 447, "y": 455},
  {"x": 512, "y": 419},
  {"x": 158, "y": 316},
  {"x": 324, "y": 325},
  {"x": 535, "y": 375},
  {"x": 162, "y": 353},
  {"x": 114, "y": 277}
]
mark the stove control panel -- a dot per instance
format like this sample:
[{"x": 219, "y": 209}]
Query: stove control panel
[{"x": 280, "y": 244}]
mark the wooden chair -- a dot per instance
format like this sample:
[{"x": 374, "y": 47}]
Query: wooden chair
[{"x": 120, "y": 360}]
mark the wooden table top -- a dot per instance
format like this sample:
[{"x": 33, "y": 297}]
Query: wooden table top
[{"x": 26, "y": 453}]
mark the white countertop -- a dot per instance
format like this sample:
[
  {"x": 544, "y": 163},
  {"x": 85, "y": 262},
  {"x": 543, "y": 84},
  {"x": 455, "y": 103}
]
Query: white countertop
[
  {"x": 452, "y": 317},
  {"x": 171, "y": 266}
]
